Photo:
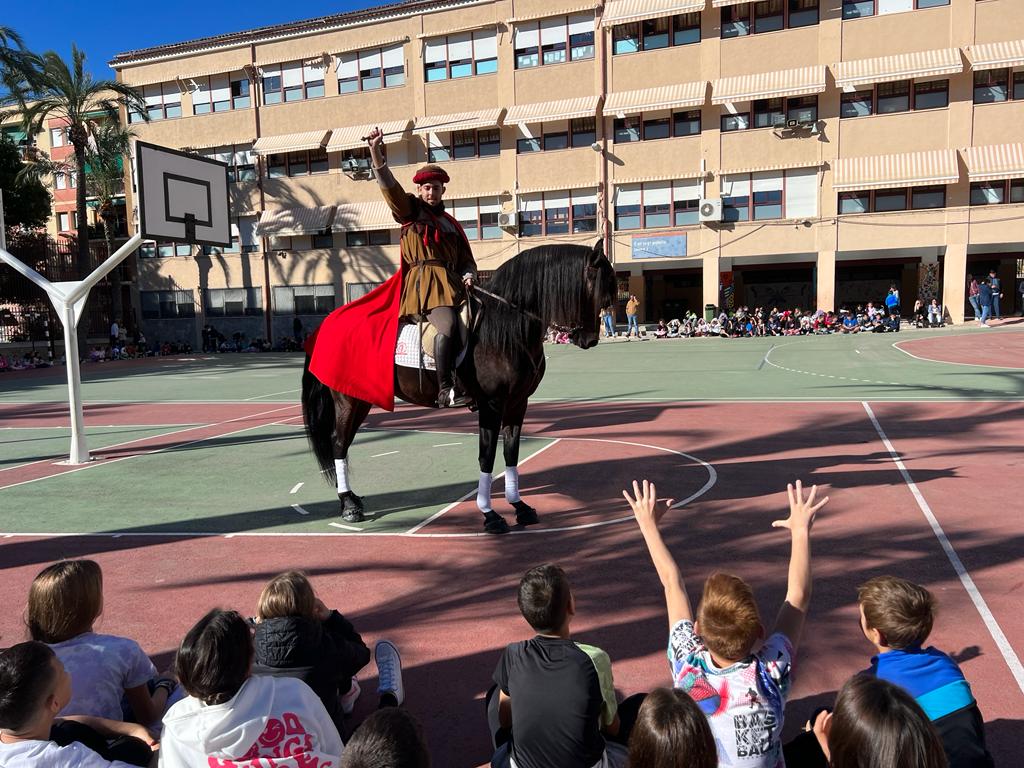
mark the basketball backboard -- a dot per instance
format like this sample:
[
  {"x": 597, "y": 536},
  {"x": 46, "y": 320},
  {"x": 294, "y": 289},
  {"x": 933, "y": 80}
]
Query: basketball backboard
[{"x": 182, "y": 197}]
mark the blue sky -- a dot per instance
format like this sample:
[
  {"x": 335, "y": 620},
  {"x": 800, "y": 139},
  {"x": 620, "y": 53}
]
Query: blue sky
[{"x": 103, "y": 30}]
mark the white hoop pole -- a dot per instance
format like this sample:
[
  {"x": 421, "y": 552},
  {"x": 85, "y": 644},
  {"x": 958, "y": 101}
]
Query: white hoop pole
[{"x": 68, "y": 306}]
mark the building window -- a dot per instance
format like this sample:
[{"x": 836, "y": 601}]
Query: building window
[
  {"x": 461, "y": 55},
  {"x": 627, "y": 129},
  {"x": 220, "y": 93},
  {"x": 686, "y": 211},
  {"x": 856, "y": 104},
  {"x": 368, "y": 237},
  {"x": 858, "y": 9},
  {"x": 933, "y": 94},
  {"x": 767, "y": 16},
  {"x": 323, "y": 240},
  {"x": 304, "y": 163},
  {"x": 657, "y": 205},
  {"x": 239, "y": 158},
  {"x": 64, "y": 222},
  {"x": 893, "y": 97},
  {"x": 556, "y": 136},
  {"x": 371, "y": 69},
  {"x": 657, "y": 127},
  {"x": 459, "y": 145},
  {"x": 478, "y": 217},
  {"x": 558, "y": 213},
  {"x": 997, "y": 192},
  {"x": 583, "y": 131},
  {"x": 804, "y": 109},
  {"x": 681, "y": 29},
  {"x": 767, "y": 195},
  {"x": 233, "y": 302},
  {"x": 559, "y": 134},
  {"x": 993, "y": 85},
  {"x": 303, "y": 299},
  {"x": 896, "y": 199},
  {"x": 166, "y": 305},
  {"x": 686, "y": 123},
  {"x": 768, "y": 113},
  {"x": 235, "y": 247},
  {"x": 57, "y": 137},
  {"x": 554, "y": 40},
  {"x": 737, "y": 122},
  {"x": 293, "y": 81},
  {"x": 163, "y": 102}
]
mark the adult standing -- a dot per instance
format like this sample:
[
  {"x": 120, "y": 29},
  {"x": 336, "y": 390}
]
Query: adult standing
[
  {"x": 115, "y": 332},
  {"x": 608, "y": 313},
  {"x": 973, "y": 291},
  {"x": 1021, "y": 292},
  {"x": 632, "y": 306},
  {"x": 985, "y": 300},
  {"x": 997, "y": 293}
]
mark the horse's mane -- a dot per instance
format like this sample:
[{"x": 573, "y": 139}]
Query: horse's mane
[{"x": 546, "y": 281}]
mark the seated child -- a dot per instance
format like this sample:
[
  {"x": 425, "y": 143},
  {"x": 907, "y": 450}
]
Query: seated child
[
  {"x": 661, "y": 332},
  {"x": 671, "y": 732},
  {"x": 34, "y": 687},
  {"x": 896, "y": 618},
  {"x": 720, "y": 656},
  {"x": 297, "y": 636},
  {"x": 64, "y": 602},
  {"x": 553, "y": 699},
  {"x": 230, "y": 717},
  {"x": 389, "y": 738}
]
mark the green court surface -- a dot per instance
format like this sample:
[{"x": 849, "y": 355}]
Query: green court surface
[{"x": 780, "y": 368}]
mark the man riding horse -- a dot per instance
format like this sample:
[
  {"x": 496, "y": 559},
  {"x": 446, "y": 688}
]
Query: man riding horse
[{"x": 437, "y": 260}]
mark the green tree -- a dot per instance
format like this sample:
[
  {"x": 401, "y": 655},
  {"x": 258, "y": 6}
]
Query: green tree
[
  {"x": 26, "y": 200},
  {"x": 16, "y": 65}
]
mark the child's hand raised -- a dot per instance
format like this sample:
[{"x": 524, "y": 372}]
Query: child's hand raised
[
  {"x": 801, "y": 511},
  {"x": 644, "y": 504}
]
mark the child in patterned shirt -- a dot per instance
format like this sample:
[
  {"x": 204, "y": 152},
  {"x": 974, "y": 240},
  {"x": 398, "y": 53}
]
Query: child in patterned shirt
[{"x": 740, "y": 682}]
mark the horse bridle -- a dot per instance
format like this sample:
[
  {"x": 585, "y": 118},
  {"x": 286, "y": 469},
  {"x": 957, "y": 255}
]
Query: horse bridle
[{"x": 569, "y": 329}]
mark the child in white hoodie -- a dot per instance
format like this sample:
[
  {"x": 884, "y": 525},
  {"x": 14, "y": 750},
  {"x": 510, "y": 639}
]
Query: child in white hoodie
[{"x": 231, "y": 719}]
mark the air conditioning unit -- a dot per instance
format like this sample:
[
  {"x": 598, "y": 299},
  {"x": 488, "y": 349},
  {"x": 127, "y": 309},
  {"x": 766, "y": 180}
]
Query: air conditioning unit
[
  {"x": 507, "y": 220},
  {"x": 710, "y": 210},
  {"x": 792, "y": 123},
  {"x": 355, "y": 164}
]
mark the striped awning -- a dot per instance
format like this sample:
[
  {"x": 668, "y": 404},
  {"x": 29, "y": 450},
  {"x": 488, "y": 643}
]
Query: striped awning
[
  {"x": 384, "y": 41},
  {"x": 995, "y": 161},
  {"x": 621, "y": 11},
  {"x": 666, "y": 97},
  {"x": 549, "y": 12},
  {"x": 908, "y": 170},
  {"x": 723, "y": 3},
  {"x": 457, "y": 30},
  {"x": 555, "y": 187},
  {"x": 460, "y": 121},
  {"x": 765, "y": 167},
  {"x": 585, "y": 106},
  {"x": 291, "y": 142},
  {"x": 996, "y": 55},
  {"x": 769, "y": 85},
  {"x": 661, "y": 177},
  {"x": 360, "y": 217},
  {"x": 292, "y": 222},
  {"x": 903, "y": 66},
  {"x": 353, "y": 136},
  {"x": 209, "y": 144}
]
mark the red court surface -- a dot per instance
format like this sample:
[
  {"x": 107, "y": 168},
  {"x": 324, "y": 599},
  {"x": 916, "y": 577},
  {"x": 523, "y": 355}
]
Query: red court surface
[
  {"x": 448, "y": 601},
  {"x": 999, "y": 350}
]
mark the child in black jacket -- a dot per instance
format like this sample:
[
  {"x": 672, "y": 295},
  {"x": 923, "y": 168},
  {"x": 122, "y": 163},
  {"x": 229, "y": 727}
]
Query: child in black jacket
[{"x": 297, "y": 636}]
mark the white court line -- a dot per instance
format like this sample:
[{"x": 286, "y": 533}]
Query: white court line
[
  {"x": 896, "y": 345},
  {"x": 106, "y": 462},
  {"x": 422, "y": 524},
  {"x": 298, "y": 508},
  {"x": 386, "y": 453},
  {"x": 445, "y": 445},
  {"x": 117, "y": 426},
  {"x": 296, "y": 488},
  {"x": 272, "y": 394},
  {"x": 345, "y": 527},
  {"x": 1009, "y": 655}
]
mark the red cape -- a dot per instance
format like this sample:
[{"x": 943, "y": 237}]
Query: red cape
[{"x": 353, "y": 350}]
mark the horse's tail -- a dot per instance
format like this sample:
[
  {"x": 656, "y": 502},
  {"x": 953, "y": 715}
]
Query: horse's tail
[{"x": 318, "y": 417}]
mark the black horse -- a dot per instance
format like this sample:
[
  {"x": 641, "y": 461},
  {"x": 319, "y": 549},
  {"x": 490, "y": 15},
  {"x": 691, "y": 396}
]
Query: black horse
[{"x": 560, "y": 286}]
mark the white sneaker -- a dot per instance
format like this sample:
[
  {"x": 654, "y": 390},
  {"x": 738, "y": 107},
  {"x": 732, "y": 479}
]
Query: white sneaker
[
  {"x": 348, "y": 701},
  {"x": 389, "y": 670}
]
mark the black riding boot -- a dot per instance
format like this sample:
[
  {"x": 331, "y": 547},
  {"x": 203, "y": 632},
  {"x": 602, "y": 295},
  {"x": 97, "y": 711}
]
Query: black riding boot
[{"x": 444, "y": 359}]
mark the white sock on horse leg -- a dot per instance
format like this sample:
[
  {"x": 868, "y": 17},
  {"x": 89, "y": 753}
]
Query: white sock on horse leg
[
  {"x": 512, "y": 484},
  {"x": 341, "y": 469},
  {"x": 483, "y": 492}
]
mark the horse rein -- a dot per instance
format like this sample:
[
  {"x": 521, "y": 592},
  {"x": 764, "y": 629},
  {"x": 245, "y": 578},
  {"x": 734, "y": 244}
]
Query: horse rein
[{"x": 560, "y": 328}]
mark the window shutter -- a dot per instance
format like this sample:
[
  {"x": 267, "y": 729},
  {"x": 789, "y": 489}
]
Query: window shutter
[{"x": 801, "y": 193}]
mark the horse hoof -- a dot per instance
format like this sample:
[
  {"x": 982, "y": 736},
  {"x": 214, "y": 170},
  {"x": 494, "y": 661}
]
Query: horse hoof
[
  {"x": 525, "y": 514},
  {"x": 351, "y": 508},
  {"x": 495, "y": 523}
]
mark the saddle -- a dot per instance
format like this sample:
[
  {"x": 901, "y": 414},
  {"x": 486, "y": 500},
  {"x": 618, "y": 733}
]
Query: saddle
[{"x": 415, "y": 345}]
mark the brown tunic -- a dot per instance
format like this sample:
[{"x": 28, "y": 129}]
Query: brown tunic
[{"x": 434, "y": 269}]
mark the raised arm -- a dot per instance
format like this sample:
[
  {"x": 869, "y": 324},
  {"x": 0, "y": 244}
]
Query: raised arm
[
  {"x": 644, "y": 503},
  {"x": 802, "y": 512},
  {"x": 394, "y": 195}
]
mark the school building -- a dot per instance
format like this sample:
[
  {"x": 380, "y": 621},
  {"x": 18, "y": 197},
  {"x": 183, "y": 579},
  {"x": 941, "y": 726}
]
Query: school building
[{"x": 797, "y": 153}]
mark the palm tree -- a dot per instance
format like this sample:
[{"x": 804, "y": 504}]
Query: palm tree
[
  {"x": 15, "y": 64},
  {"x": 69, "y": 93}
]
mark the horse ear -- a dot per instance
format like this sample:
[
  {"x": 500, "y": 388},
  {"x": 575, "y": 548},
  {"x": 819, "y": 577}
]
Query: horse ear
[{"x": 598, "y": 253}]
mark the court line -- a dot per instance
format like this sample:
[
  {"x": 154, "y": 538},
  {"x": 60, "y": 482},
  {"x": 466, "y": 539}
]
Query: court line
[
  {"x": 272, "y": 394},
  {"x": 106, "y": 462},
  {"x": 423, "y": 523},
  {"x": 896, "y": 345},
  {"x": 295, "y": 488},
  {"x": 1009, "y": 655}
]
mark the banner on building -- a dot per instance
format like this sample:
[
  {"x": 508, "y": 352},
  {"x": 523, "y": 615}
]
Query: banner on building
[{"x": 659, "y": 247}]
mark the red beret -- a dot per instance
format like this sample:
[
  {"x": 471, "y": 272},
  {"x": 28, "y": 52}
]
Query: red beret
[{"x": 430, "y": 173}]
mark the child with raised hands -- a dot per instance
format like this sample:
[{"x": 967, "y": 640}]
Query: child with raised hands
[{"x": 720, "y": 656}]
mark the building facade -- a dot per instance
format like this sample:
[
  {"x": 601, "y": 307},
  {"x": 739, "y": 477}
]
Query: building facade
[{"x": 838, "y": 148}]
